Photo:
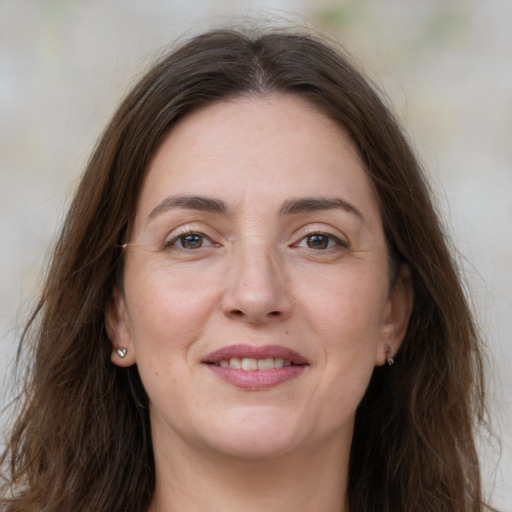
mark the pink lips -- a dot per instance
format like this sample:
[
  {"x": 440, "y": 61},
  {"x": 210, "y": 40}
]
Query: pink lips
[{"x": 256, "y": 380}]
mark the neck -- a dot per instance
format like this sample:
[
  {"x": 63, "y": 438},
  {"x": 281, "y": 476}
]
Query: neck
[{"x": 309, "y": 480}]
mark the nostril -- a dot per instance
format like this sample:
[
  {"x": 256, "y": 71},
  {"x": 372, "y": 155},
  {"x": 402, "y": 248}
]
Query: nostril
[{"x": 239, "y": 312}]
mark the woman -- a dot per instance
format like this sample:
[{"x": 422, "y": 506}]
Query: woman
[{"x": 251, "y": 305}]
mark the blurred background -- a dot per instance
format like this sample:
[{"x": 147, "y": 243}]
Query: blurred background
[{"x": 446, "y": 65}]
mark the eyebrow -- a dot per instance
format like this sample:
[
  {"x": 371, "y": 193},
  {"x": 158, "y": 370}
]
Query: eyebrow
[
  {"x": 204, "y": 204},
  {"x": 290, "y": 206},
  {"x": 309, "y": 204}
]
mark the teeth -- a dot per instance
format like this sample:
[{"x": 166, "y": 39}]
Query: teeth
[
  {"x": 249, "y": 363},
  {"x": 235, "y": 362},
  {"x": 266, "y": 364}
]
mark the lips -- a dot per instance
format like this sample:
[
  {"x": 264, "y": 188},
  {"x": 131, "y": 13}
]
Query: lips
[{"x": 256, "y": 368}]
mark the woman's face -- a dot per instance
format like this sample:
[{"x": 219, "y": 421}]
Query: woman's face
[{"x": 256, "y": 297}]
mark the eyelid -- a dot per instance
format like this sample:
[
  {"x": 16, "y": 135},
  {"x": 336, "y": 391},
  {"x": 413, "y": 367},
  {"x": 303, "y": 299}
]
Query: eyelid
[
  {"x": 182, "y": 231},
  {"x": 339, "y": 243},
  {"x": 205, "y": 241},
  {"x": 329, "y": 231}
]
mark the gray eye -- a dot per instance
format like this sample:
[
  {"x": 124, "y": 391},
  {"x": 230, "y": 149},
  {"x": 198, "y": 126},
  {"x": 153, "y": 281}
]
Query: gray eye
[{"x": 191, "y": 241}]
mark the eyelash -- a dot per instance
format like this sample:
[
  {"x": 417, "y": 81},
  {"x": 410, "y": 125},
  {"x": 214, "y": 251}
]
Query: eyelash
[
  {"x": 171, "y": 244},
  {"x": 337, "y": 242},
  {"x": 332, "y": 241}
]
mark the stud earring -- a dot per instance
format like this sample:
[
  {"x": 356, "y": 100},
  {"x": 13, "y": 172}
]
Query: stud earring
[
  {"x": 389, "y": 358},
  {"x": 121, "y": 352}
]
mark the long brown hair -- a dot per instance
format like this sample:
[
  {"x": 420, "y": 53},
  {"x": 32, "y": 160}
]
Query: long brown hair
[{"x": 81, "y": 441}]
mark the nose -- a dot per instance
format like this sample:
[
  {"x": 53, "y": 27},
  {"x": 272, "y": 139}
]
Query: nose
[{"x": 257, "y": 289}]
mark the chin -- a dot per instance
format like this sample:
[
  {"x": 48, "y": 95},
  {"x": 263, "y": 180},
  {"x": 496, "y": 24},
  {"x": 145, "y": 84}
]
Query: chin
[{"x": 255, "y": 435}]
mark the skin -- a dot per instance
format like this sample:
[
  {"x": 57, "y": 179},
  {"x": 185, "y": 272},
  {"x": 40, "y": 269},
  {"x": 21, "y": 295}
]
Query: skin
[{"x": 257, "y": 279}]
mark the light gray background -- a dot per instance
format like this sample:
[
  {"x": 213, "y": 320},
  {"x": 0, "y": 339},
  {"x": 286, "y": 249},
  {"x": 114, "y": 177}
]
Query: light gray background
[{"x": 445, "y": 64}]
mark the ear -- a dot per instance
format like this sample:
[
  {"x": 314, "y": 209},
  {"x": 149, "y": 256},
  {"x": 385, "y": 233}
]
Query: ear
[
  {"x": 117, "y": 324},
  {"x": 396, "y": 316}
]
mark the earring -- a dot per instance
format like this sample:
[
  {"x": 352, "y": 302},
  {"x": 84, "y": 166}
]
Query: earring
[
  {"x": 121, "y": 352},
  {"x": 389, "y": 358}
]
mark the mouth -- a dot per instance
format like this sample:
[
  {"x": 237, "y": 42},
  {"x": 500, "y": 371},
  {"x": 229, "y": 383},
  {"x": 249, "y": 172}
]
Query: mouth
[
  {"x": 256, "y": 368},
  {"x": 249, "y": 363}
]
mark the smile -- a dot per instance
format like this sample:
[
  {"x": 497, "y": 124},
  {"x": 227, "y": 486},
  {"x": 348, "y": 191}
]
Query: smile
[
  {"x": 256, "y": 368},
  {"x": 249, "y": 363}
]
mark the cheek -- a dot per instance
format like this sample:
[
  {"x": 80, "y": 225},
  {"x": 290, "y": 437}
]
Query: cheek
[
  {"x": 347, "y": 308},
  {"x": 350, "y": 329},
  {"x": 168, "y": 311},
  {"x": 346, "y": 315}
]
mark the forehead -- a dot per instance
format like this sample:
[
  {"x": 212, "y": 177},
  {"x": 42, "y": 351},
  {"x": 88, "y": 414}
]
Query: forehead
[{"x": 261, "y": 148}]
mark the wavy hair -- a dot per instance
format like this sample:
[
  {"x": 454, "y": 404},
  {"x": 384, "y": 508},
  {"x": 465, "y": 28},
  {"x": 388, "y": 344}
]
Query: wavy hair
[{"x": 81, "y": 439}]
